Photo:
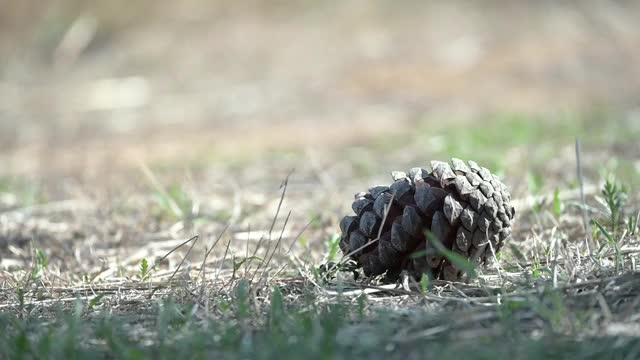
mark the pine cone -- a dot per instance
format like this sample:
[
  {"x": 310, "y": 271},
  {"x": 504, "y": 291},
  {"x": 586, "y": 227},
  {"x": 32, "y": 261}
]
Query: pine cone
[{"x": 462, "y": 204}]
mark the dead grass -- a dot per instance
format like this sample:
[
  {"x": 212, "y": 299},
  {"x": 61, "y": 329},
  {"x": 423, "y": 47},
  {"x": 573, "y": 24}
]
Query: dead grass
[
  {"x": 88, "y": 248},
  {"x": 136, "y": 220}
]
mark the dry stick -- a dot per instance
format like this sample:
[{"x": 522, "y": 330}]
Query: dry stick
[{"x": 585, "y": 219}]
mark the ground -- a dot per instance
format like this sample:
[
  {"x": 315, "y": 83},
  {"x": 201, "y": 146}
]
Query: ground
[{"x": 163, "y": 197}]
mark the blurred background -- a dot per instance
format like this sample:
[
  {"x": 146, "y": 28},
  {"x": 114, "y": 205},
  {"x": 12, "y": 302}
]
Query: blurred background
[
  {"x": 129, "y": 126},
  {"x": 126, "y": 126},
  {"x": 95, "y": 84}
]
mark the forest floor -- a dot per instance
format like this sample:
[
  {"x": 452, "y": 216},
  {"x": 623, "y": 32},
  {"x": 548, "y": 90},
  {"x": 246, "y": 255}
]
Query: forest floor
[{"x": 165, "y": 198}]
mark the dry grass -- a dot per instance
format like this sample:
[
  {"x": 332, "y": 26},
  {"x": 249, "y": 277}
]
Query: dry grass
[
  {"x": 140, "y": 218},
  {"x": 261, "y": 236}
]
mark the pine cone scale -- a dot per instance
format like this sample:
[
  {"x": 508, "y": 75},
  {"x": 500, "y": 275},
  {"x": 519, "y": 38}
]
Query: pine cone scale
[{"x": 461, "y": 204}]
